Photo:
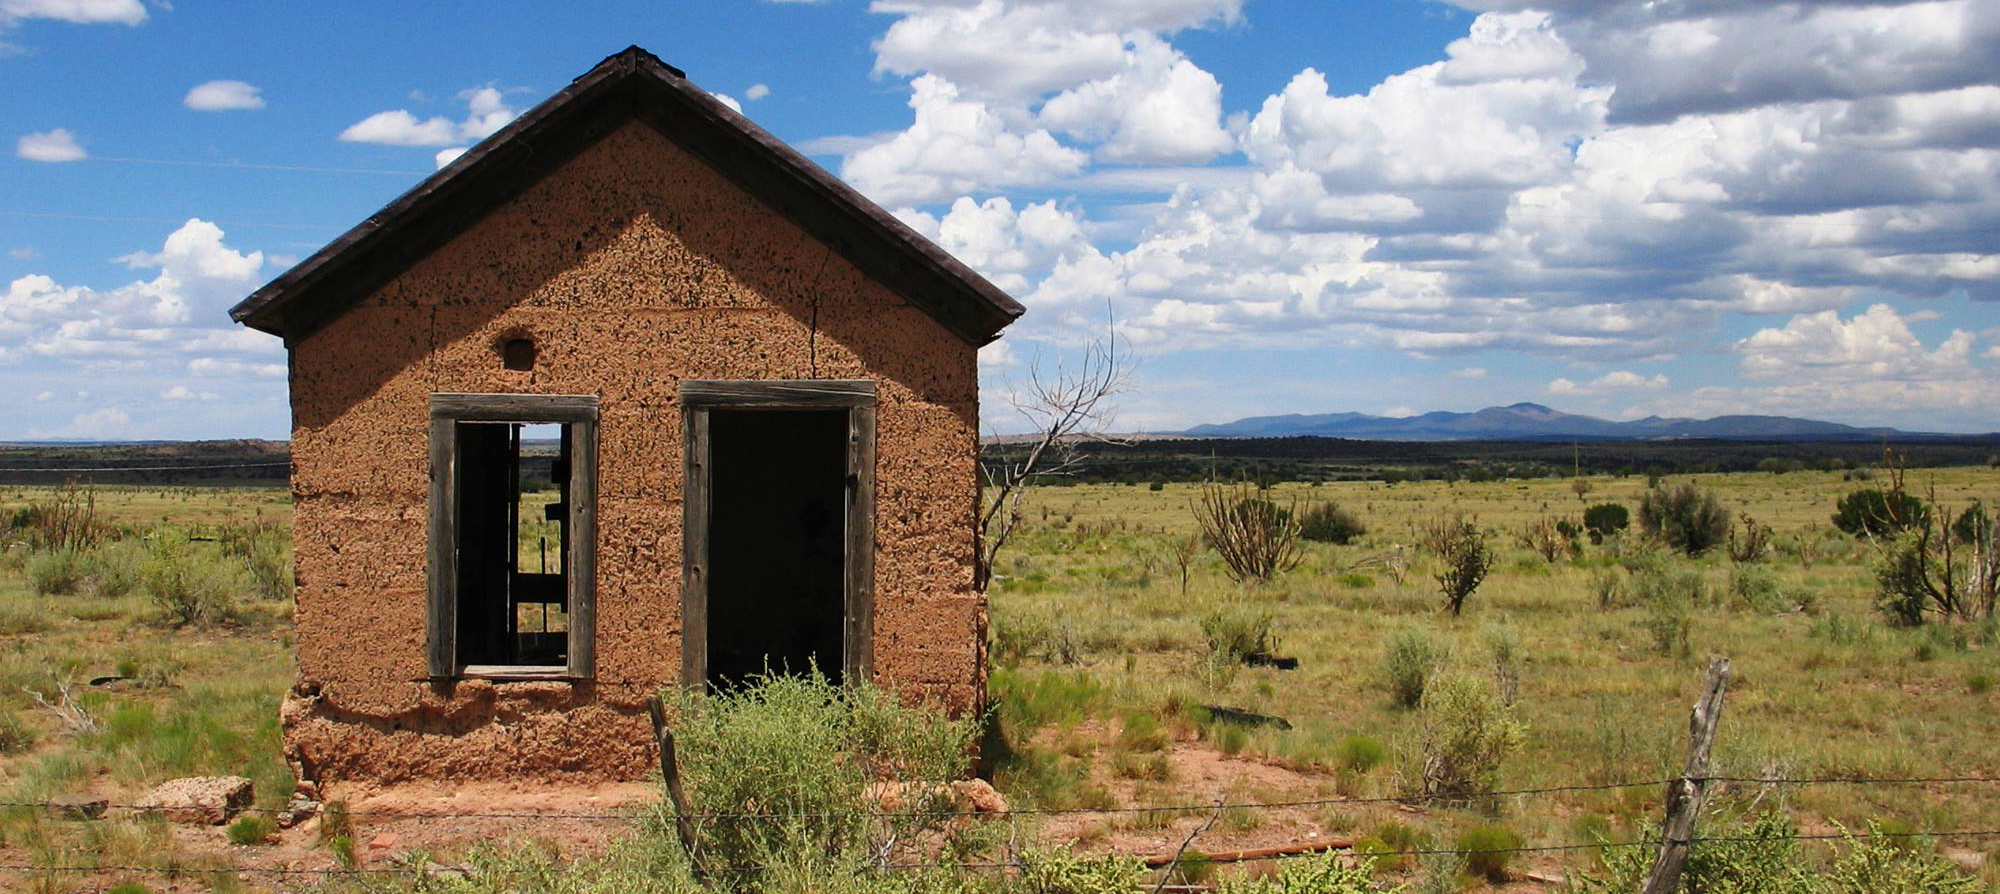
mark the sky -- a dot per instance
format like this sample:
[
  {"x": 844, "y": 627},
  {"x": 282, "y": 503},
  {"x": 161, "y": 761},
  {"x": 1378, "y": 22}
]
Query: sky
[{"x": 1671, "y": 207}]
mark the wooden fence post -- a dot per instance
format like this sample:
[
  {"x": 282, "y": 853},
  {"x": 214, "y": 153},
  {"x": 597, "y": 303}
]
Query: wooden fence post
[
  {"x": 1686, "y": 795},
  {"x": 670, "y": 770}
]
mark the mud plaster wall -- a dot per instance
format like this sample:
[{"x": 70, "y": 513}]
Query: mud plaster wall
[{"x": 633, "y": 267}]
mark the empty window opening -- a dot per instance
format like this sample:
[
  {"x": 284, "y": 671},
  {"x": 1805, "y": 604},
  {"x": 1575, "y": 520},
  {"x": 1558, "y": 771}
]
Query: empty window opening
[
  {"x": 518, "y": 353},
  {"x": 777, "y": 542},
  {"x": 513, "y": 543}
]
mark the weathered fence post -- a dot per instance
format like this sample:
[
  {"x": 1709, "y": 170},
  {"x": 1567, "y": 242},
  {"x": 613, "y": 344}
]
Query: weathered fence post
[
  {"x": 670, "y": 770},
  {"x": 1686, "y": 795}
]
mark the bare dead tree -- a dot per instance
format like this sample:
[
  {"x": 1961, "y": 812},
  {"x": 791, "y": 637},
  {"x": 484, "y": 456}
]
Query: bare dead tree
[{"x": 1063, "y": 407}]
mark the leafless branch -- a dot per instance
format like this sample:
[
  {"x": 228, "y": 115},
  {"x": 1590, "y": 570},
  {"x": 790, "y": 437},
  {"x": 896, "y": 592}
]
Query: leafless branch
[{"x": 1063, "y": 407}]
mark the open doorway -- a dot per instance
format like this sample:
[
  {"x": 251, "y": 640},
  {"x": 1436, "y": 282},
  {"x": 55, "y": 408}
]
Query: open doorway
[
  {"x": 777, "y": 534},
  {"x": 780, "y": 529}
]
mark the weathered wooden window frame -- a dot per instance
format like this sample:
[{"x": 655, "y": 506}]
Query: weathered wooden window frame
[
  {"x": 579, "y": 411},
  {"x": 857, "y": 397}
]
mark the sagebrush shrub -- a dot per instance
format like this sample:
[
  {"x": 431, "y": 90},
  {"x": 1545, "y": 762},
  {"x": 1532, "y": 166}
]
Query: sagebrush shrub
[
  {"x": 1236, "y": 633},
  {"x": 805, "y": 753},
  {"x": 188, "y": 584},
  {"x": 1755, "y": 587},
  {"x": 1326, "y": 522},
  {"x": 1467, "y": 734},
  {"x": 1668, "y": 600},
  {"x": 55, "y": 572},
  {"x": 1409, "y": 658},
  {"x": 1686, "y": 518}
]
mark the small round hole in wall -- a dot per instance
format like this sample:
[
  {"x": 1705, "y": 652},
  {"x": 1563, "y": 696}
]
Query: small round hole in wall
[{"x": 518, "y": 353}]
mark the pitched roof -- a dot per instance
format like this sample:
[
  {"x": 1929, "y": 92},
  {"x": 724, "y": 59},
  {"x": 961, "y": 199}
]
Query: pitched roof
[{"x": 633, "y": 84}]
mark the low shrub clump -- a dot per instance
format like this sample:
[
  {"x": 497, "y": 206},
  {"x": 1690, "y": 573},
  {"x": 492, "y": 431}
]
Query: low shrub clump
[
  {"x": 1234, "y": 634},
  {"x": 187, "y": 585},
  {"x": 1467, "y": 733},
  {"x": 1605, "y": 520},
  {"x": 1409, "y": 659},
  {"x": 1328, "y": 523},
  {"x": 1488, "y": 850},
  {"x": 1686, "y": 518},
  {"x": 802, "y": 763}
]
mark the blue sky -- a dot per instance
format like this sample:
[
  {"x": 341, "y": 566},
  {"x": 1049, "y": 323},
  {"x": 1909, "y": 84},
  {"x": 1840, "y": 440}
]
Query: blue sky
[{"x": 1617, "y": 208}]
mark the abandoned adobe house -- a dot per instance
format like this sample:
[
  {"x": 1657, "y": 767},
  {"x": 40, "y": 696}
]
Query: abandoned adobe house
[{"x": 752, "y": 394}]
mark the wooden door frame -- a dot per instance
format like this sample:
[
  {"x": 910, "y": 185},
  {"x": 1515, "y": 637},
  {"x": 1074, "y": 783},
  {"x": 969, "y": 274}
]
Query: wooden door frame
[{"x": 857, "y": 397}]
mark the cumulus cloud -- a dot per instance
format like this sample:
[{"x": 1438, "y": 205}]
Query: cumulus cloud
[
  {"x": 56, "y": 145},
  {"x": 81, "y": 12},
  {"x": 1160, "y": 108},
  {"x": 729, "y": 101},
  {"x": 1674, "y": 59},
  {"x": 222, "y": 96},
  {"x": 1871, "y": 361},
  {"x": 756, "y": 92},
  {"x": 956, "y": 146},
  {"x": 486, "y": 112},
  {"x": 1469, "y": 372},
  {"x": 1020, "y": 50}
]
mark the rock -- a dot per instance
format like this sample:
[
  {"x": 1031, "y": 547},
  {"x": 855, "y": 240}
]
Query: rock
[
  {"x": 211, "y": 800},
  {"x": 980, "y": 794},
  {"x": 383, "y": 841},
  {"x": 299, "y": 809},
  {"x": 77, "y": 807}
]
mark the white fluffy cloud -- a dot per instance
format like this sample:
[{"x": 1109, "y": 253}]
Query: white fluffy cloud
[
  {"x": 1159, "y": 108},
  {"x": 956, "y": 146},
  {"x": 1020, "y": 50},
  {"x": 223, "y": 96},
  {"x": 56, "y": 145},
  {"x": 127, "y": 354},
  {"x": 756, "y": 92},
  {"x": 81, "y": 12},
  {"x": 486, "y": 112}
]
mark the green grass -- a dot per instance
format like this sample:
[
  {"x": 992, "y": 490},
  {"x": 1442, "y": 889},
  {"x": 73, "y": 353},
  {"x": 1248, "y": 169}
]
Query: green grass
[
  {"x": 198, "y": 700},
  {"x": 1102, "y": 666}
]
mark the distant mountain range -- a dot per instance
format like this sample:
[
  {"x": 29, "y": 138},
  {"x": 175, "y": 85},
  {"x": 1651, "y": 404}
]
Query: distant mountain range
[{"x": 1529, "y": 421}]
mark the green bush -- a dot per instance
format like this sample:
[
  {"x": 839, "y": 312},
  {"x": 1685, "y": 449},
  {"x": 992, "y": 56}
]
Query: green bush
[
  {"x": 1686, "y": 518},
  {"x": 1236, "y": 633},
  {"x": 1762, "y": 855},
  {"x": 1605, "y": 519},
  {"x": 188, "y": 586},
  {"x": 803, "y": 753},
  {"x": 1409, "y": 658},
  {"x": 1902, "y": 586},
  {"x": 1061, "y": 870},
  {"x": 251, "y": 828},
  {"x": 1755, "y": 587},
  {"x": 1874, "y": 512},
  {"x": 1328, "y": 523},
  {"x": 56, "y": 572},
  {"x": 1324, "y": 874},
  {"x": 1465, "y": 558},
  {"x": 1488, "y": 850},
  {"x": 1467, "y": 733},
  {"x": 1360, "y": 753},
  {"x": 113, "y": 567}
]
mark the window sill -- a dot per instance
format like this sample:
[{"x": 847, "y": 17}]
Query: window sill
[{"x": 504, "y": 672}]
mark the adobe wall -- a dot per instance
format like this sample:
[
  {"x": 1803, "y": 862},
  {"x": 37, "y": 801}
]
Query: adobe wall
[{"x": 632, "y": 267}]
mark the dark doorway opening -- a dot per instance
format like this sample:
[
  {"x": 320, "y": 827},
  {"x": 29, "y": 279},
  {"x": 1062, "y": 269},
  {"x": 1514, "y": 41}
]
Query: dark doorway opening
[{"x": 777, "y": 542}]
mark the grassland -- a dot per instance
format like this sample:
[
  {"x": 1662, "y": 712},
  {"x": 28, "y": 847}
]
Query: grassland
[{"x": 1102, "y": 669}]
